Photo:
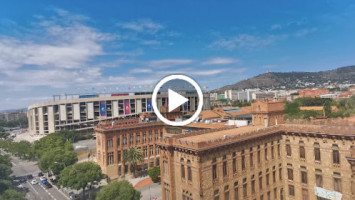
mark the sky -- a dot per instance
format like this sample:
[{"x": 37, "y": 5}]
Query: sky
[{"x": 78, "y": 46}]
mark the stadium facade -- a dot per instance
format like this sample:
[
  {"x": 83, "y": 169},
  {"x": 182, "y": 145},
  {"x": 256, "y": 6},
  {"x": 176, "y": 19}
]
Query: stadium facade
[{"x": 85, "y": 112}]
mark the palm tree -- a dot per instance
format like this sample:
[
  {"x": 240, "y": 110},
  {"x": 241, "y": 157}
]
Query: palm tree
[{"x": 133, "y": 156}]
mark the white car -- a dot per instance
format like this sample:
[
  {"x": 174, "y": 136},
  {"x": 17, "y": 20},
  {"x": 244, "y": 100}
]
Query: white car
[
  {"x": 42, "y": 178},
  {"x": 34, "y": 182}
]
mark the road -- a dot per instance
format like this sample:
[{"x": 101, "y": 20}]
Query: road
[{"x": 22, "y": 168}]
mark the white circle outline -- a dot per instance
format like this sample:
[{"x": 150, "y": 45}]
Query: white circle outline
[{"x": 181, "y": 77}]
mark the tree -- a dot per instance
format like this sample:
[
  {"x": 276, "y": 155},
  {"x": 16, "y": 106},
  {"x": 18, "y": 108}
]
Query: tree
[
  {"x": 57, "y": 159},
  {"x": 80, "y": 175},
  {"x": 47, "y": 143},
  {"x": 122, "y": 190},
  {"x": 13, "y": 195},
  {"x": 133, "y": 156},
  {"x": 154, "y": 173},
  {"x": 5, "y": 166}
]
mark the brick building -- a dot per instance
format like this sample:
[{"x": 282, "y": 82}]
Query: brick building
[
  {"x": 114, "y": 137},
  {"x": 313, "y": 93},
  {"x": 294, "y": 160}
]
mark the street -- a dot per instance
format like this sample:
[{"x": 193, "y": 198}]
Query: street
[{"x": 22, "y": 168}]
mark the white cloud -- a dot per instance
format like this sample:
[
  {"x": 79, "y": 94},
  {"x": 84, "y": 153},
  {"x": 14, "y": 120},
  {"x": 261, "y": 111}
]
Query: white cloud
[
  {"x": 247, "y": 41},
  {"x": 220, "y": 61},
  {"x": 276, "y": 26},
  {"x": 142, "y": 26},
  {"x": 141, "y": 71},
  {"x": 167, "y": 63},
  {"x": 150, "y": 42},
  {"x": 304, "y": 32}
]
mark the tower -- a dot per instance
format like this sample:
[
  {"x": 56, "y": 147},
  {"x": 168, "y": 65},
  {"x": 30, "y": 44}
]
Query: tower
[{"x": 267, "y": 112}]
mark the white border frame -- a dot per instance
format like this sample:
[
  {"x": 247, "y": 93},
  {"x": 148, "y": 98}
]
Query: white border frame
[{"x": 181, "y": 77}]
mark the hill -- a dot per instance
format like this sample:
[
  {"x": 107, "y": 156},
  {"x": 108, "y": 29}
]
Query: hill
[{"x": 296, "y": 80}]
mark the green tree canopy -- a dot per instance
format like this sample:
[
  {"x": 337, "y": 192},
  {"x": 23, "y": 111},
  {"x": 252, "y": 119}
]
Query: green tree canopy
[
  {"x": 154, "y": 173},
  {"x": 57, "y": 159},
  {"x": 122, "y": 190},
  {"x": 13, "y": 195},
  {"x": 80, "y": 175}
]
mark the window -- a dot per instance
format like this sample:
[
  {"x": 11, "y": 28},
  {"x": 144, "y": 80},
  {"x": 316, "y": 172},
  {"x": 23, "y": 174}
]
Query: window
[
  {"x": 119, "y": 157},
  {"x": 118, "y": 141},
  {"x": 124, "y": 140},
  {"x": 234, "y": 165},
  {"x": 291, "y": 190},
  {"x": 253, "y": 186},
  {"x": 336, "y": 156},
  {"x": 274, "y": 176},
  {"x": 151, "y": 150},
  {"x": 189, "y": 172},
  {"x": 145, "y": 152},
  {"x": 110, "y": 158},
  {"x": 278, "y": 150},
  {"x": 288, "y": 149},
  {"x": 280, "y": 173},
  {"x": 267, "y": 179},
  {"x": 157, "y": 150},
  {"x": 266, "y": 157},
  {"x": 259, "y": 160},
  {"x": 337, "y": 182},
  {"x": 304, "y": 194},
  {"x": 260, "y": 182},
  {"x": 216, "y": 196},
  {"x": 290, "y": 174},
  {"x": 150, "y": 136},
  {"x": 225, "y": 169},
  {"x": 251, "y": 160},
  {"x": 275, "y": 193},
  {"x": 245, "y": 190},
  {"x": 319, "y": 180},
  {"x": 236, "y": 193},
  {"x": 243, "y": 162},
  {"x": 109, "y": 143},
  {"x": 131, "y": 139},
  {"x": 138, "y": 138},
  {"x": 156, "y": 135},
  {"x": 268, "y": 195},
  {"x": 144, "y": 138},
  {"x": 272, "y": 152},
  {"x": 304, "y": 177},
  {"x": 214, "y": 171},
  {"x": 226, "y": 192},
  {"x": 302, "y": 152},
  {"x": 316, "y": 152}
]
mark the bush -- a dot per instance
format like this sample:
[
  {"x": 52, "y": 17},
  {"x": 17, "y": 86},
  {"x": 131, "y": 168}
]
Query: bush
[{"x": 154, "y": 173}]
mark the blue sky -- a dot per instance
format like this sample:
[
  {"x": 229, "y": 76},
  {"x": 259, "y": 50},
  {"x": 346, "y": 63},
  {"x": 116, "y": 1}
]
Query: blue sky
[{"x": 57, "y": 47}]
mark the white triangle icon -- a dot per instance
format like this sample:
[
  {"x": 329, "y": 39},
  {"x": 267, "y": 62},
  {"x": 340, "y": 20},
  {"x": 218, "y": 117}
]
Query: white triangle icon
[{"x": 175, "y": 100}]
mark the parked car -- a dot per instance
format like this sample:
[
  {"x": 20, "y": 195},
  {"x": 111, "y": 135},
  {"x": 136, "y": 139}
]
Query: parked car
[
  {"x": 29, "y": 176},
  {"x": 40, "y": 174},
  {"x": 48, "y": 185},
  {"x": 42, "y": 178},
  {"x": 74, "y": 196},
  {"x": 34, "y": 182}
]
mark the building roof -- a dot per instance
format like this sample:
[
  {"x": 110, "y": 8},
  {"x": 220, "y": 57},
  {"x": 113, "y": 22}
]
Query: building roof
[
  {"x": 243, "y": 111},
  {"x": 209, "y": 126},
  {"x": 209, "y": 114},
  {"x": 213, "y": 138}
]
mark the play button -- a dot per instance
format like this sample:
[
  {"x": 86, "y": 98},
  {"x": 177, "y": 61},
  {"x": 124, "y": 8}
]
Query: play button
[{"x": 175, "y": 100}]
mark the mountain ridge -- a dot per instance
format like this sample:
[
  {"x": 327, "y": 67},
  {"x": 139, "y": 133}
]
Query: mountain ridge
[{"x": 295, "y": 80}]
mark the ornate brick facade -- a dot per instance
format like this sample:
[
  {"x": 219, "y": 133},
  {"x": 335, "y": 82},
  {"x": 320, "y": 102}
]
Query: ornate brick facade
[
  {"x": 281, "y": 162},
  {"x": 114, "y": 137}
]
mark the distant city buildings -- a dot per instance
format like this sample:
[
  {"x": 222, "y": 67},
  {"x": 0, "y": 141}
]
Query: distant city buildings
[{"x": 12, "y": 116}]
